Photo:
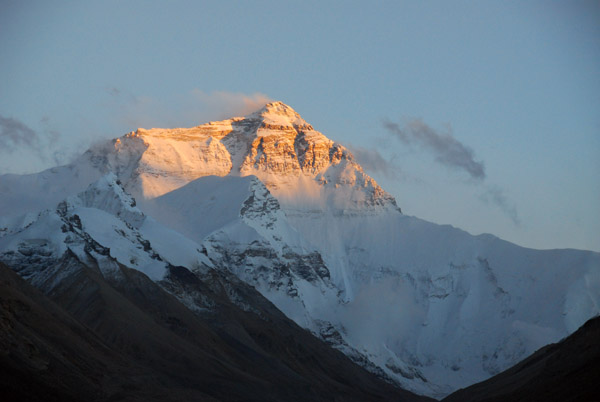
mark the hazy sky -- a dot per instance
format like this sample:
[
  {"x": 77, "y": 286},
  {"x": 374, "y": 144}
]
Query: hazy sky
[{"x": 484, "y": 115}]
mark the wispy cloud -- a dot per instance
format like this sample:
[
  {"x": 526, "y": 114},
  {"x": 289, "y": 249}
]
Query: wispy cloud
[
  {"x": 189, "y": 109},
  {"x": 450, "y": 152},
  {"x": 15, "y": 134},
  {"x": 41, "y": 145},
  {"x": 112, "y": 91},
  {"x": 495, "y": 195},
  {"x": 446, "y": 149},
  {"x": 372, "y": 161},
  {"x": 224, "y": 104}
]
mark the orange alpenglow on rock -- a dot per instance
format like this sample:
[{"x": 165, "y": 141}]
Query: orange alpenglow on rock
[{"x": 297, "y": 163}]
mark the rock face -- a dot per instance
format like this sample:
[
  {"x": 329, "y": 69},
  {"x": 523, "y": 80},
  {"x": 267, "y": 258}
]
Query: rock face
[
  {"x": 268, "y": 200},
  {"x": 274, "y": 144}
]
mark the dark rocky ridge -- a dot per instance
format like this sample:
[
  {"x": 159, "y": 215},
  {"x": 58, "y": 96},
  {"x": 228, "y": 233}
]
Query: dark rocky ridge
[
  {"x": 565, "y": 371},
  {"x": 127, "y": 338}
]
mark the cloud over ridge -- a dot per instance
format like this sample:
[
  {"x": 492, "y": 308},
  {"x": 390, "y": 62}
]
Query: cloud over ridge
[
  {"x": 182, "y": 110},
  {"x": 450, "y": 152},
  {"x": 446, "y": 149},
  {"x": 371, "y": 160},
  {"x": 14, "y": 134}
]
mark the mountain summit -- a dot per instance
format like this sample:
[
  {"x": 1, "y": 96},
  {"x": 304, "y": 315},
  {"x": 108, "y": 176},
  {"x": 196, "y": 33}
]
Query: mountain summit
[
  {"x": 279, "y": 114},
  {"x": 298, "y": 164}
]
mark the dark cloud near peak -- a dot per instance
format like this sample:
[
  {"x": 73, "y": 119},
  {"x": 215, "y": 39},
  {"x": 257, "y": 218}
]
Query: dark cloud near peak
[
  {"x": 372, "y": 161},
  {"x": 17, "y": 136},
  {"x": 496, "y": 196},
  {"x": 51, "y": 135},
  {"x": 113, "y": 91},
  {"x": 446, "y": 149},
  {"x": 452, "y": 153},
  {"x": 14, "y": 134}
]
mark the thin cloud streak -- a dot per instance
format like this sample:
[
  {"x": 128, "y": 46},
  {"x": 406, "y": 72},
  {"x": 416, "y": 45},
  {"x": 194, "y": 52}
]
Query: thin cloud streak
[
  {"x": 223, "y": 104},
  {"x": 17, "y": 137},
  {"x": 190, "y": 109},
  {"x": 112, "y": 91},
  {"x": 446, "y": 149},
  {"x": 496, "y": 196},
  {"x": 372, "y": 161},
  {"x": 453, "y": 154},
  {"x": 14, "y": 134}
]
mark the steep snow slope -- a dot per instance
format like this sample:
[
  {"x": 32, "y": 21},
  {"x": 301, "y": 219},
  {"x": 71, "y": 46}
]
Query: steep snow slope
[
  {"x": 242, "y": 229},
  {"x": 432, "y": 306},
  {"x": 100, "y": 226},
  {"x": 452, "y": 306}
]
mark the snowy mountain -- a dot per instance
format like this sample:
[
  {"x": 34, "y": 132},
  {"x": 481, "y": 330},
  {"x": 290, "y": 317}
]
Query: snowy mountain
[
  {"x": 118, "y": 320},
  {"x": 296, "y": 163},
  {"x": 288, "y": 211}
]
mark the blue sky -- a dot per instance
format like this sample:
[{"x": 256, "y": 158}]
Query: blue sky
[{"x": 516, "y": 84}]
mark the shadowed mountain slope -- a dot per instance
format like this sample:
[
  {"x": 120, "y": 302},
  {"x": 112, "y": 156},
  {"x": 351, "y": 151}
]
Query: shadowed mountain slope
[
  {"x": 564, "y": 371},
  {"x": 127, "y": 339}
]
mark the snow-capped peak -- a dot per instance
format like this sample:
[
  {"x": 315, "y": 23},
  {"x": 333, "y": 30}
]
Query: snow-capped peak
[
  {"x": 279, "y": 115},
  {"x": 298, "y": 164}
]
